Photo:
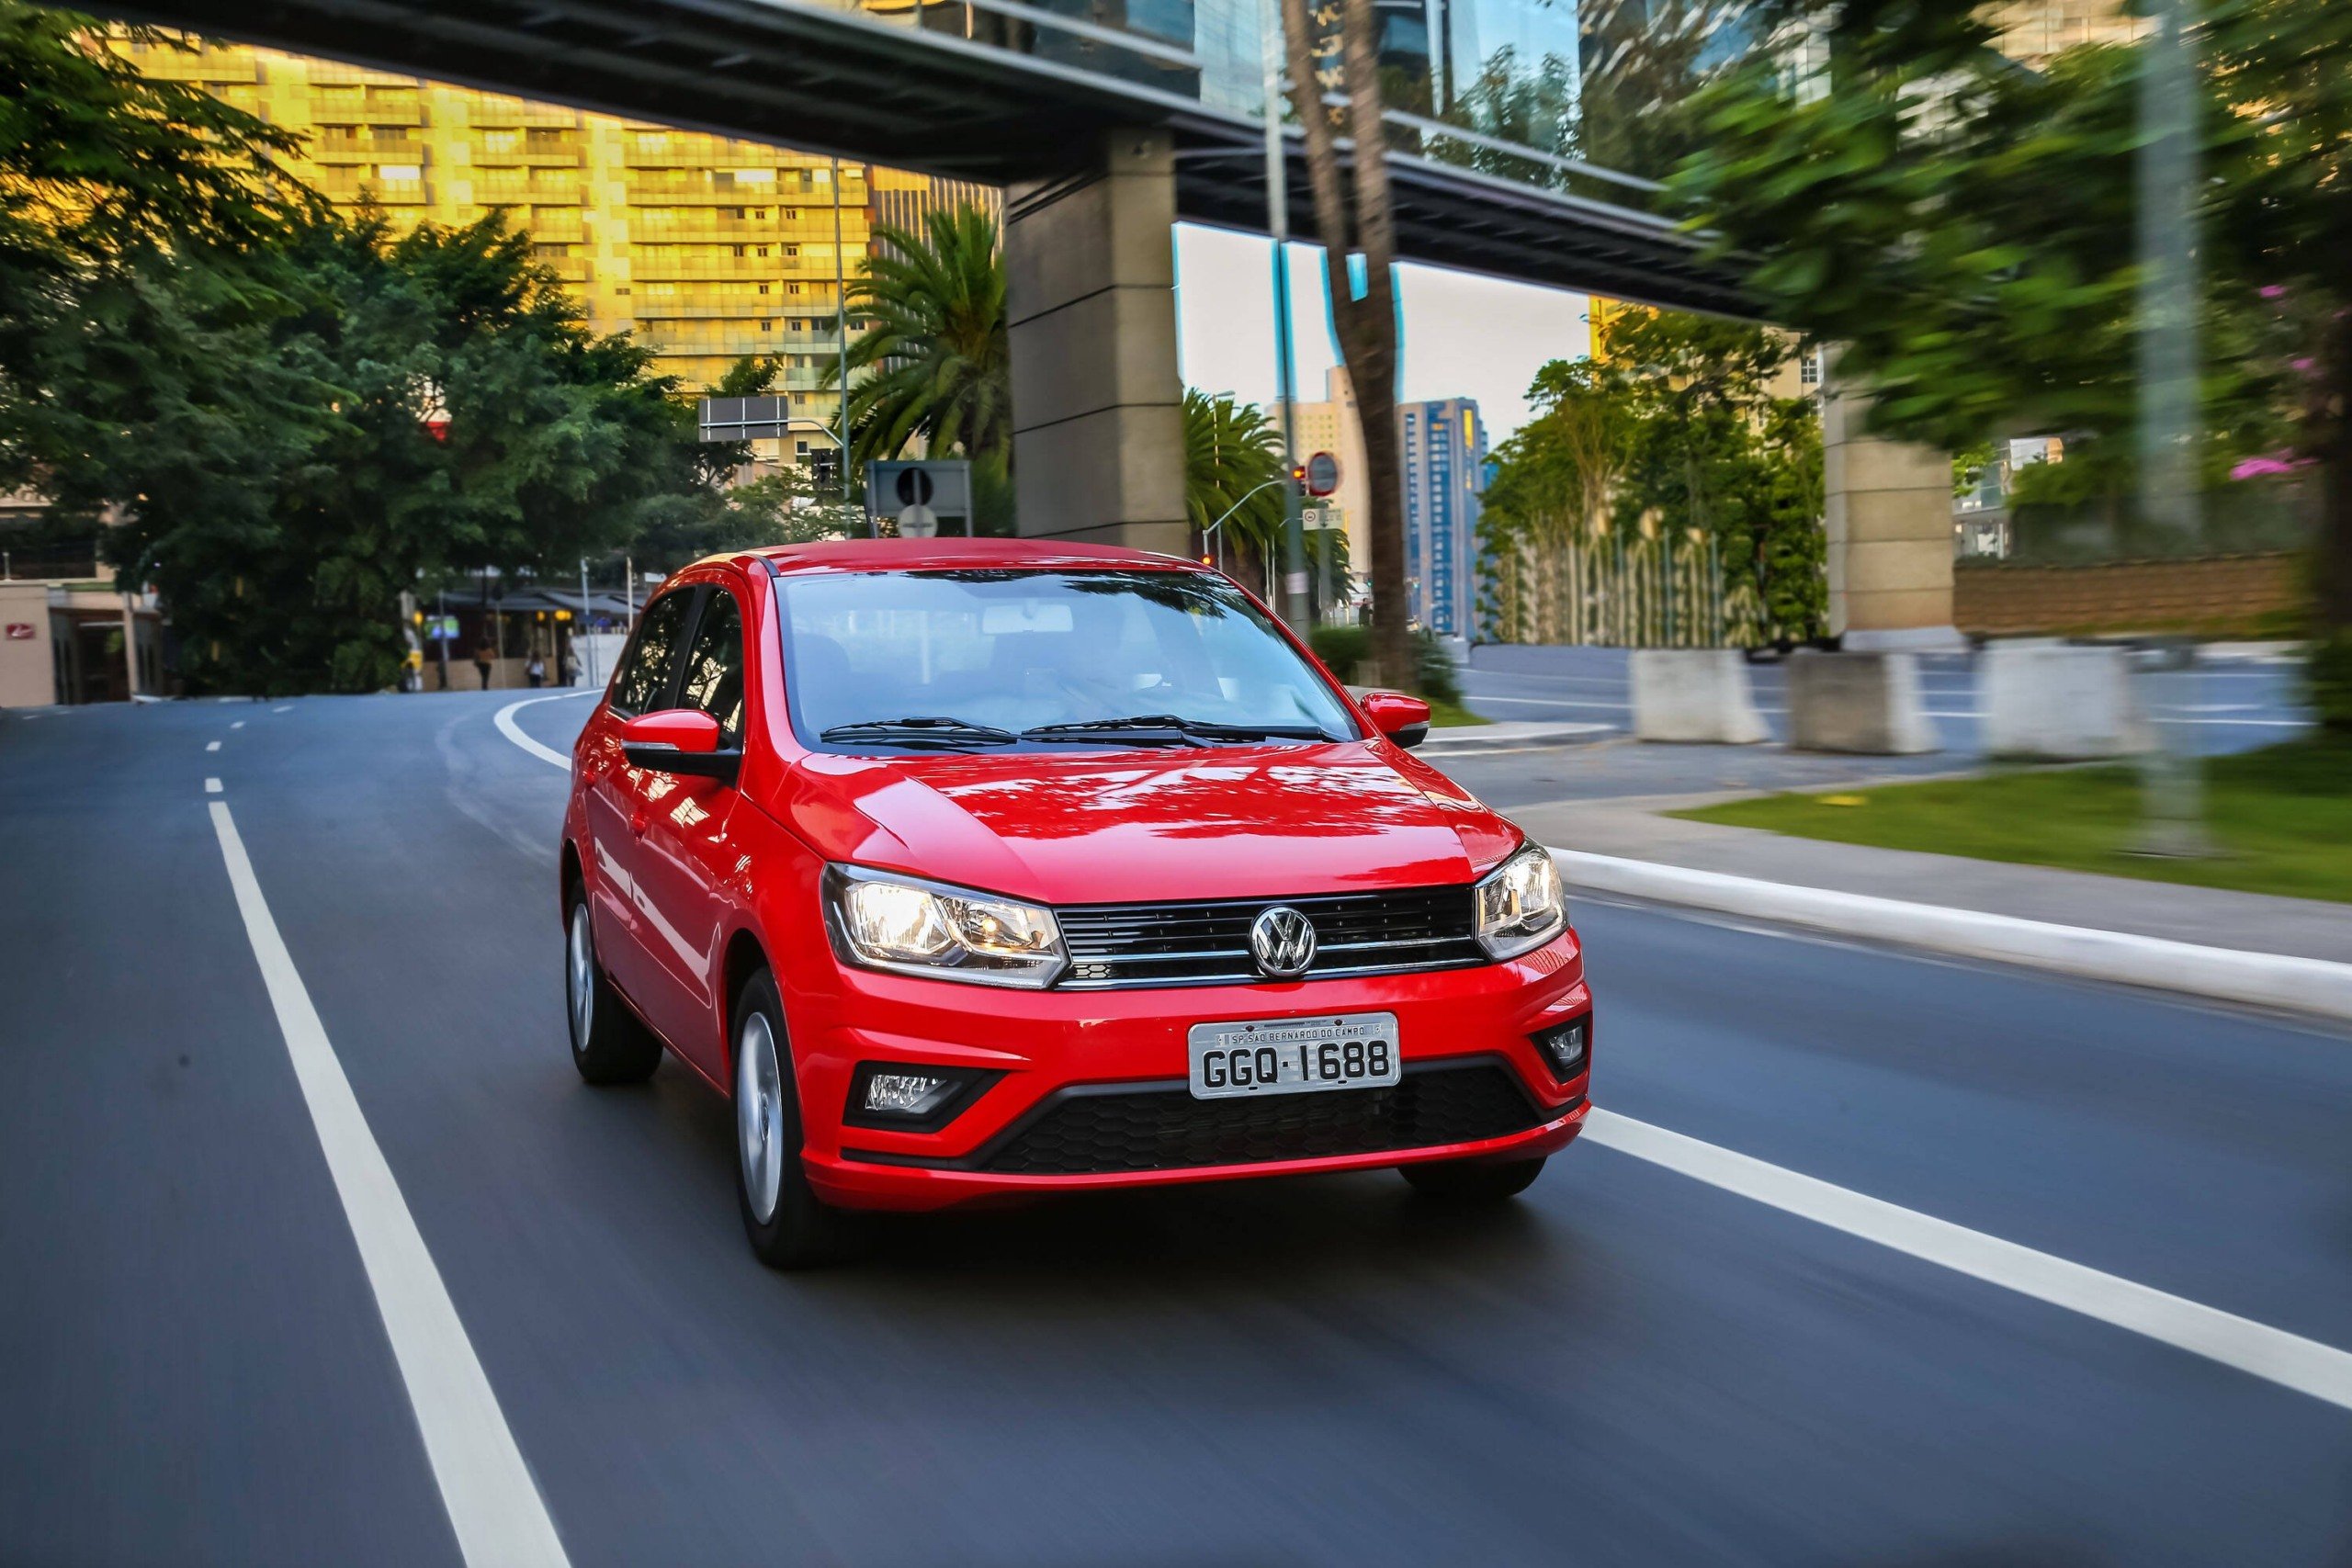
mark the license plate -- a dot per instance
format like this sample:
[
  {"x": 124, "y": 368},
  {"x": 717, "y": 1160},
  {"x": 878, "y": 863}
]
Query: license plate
[{"x": 1294, "y": 1056}]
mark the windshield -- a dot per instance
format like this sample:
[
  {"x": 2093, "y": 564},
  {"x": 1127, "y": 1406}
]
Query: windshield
[{"x": 974, "y": 658}]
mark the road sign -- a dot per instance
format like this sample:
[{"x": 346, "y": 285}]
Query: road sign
[
  {"x": 940, "y": 488},
  {"x": 918, "y": 521},
  {"x": 1318, "y": 517},
  {"x": 1322, "y": 474}
]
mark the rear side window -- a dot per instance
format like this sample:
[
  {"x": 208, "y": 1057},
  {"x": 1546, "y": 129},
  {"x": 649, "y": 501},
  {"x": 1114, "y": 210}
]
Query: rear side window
[
  {"x": 643, "y": 680},
  {"x": 714, "y": 677}
]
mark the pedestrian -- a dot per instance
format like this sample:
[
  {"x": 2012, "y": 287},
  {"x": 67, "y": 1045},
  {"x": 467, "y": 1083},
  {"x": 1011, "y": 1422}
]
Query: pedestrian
[
  {"x": 572, "y": 667},
  {"x": 536, "y": 671},
  {"x": 484, "y": 657}
]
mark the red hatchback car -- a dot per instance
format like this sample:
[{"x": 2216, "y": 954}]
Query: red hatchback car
[{"x": 973, "y": 869}]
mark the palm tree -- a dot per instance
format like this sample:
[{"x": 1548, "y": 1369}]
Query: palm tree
[
  {"x": 934, "y": 343},
  {"x": 1230, "y": 451}
]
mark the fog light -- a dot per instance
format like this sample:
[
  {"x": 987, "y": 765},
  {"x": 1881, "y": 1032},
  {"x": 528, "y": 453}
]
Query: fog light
[
  {"x": 905, "y": 1094},
  {"x": 1562, "y": 1046},
  {"x": 912, "y": 1099}
]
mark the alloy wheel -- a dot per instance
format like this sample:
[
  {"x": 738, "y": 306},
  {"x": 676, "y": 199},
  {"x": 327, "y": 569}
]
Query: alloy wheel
[{"x": 759, "y": 1116}]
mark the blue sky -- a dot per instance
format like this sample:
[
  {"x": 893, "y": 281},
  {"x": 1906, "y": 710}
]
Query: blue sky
[{"x": 1465, "y": 335}]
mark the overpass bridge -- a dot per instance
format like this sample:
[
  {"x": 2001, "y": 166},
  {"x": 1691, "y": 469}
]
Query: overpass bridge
[{"x": 1106, "y": 122}]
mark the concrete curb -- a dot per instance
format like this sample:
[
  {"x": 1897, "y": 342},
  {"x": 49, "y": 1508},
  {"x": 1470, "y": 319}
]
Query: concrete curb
[
  {"x": 2258, "y": 979},
  {"x": 1452, "y": 742}
]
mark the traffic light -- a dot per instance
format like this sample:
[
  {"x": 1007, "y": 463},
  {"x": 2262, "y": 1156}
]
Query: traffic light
[{"x": 1298, "y": 475}]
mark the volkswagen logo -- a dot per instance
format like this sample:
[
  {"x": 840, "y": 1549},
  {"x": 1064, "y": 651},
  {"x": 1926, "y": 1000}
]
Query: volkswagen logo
[{"x": 1282, "y": 940}]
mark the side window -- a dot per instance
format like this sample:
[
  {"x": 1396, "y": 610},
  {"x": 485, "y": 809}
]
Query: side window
[
  {"x": 643, "y": 680},
  {"x": 713, "y": 680}
]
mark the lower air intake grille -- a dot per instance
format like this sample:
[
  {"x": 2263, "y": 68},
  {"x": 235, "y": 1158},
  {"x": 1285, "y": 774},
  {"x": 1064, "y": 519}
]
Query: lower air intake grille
[{"x": 1085, "y": 1131}]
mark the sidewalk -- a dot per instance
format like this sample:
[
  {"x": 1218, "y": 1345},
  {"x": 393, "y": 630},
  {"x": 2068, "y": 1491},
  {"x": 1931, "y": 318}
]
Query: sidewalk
[{"x": 2208, "y": 918}]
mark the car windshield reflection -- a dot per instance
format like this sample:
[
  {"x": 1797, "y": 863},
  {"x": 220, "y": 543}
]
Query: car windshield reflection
[{"x": 974, "y": 660}]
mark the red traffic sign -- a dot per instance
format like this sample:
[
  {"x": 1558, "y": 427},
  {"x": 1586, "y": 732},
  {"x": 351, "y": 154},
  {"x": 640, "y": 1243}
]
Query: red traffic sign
[
  {"x": 20, "y": 631},
  {"x": 1322, "y": 474}
]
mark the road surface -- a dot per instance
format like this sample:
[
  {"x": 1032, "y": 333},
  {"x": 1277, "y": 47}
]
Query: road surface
[{"x": 1631, "y": 1366}]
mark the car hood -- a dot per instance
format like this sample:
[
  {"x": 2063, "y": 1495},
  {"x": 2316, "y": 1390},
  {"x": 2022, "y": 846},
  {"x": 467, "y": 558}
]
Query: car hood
[{"x": 1146, "y": 823}]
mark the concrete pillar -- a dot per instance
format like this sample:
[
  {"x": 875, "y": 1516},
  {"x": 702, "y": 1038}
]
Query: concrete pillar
[
  {"x": 1098, "y": 434},
  {"x": 1889, "y": 517}
]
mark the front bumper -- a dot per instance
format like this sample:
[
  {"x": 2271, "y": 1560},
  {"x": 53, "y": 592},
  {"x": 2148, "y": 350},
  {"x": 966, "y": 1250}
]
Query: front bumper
[{"x": 1106, "y": 1070}]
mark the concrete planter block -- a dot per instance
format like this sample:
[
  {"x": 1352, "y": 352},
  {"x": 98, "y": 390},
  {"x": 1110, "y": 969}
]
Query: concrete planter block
[
  {"x": 1694, "y": 694},
  {"x": 1857, "y": 702},
  {"x": 2046, "y": 699}
]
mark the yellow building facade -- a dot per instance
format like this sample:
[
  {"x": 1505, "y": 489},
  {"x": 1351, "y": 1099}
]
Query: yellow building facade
[{"x": 706, "y": 249}]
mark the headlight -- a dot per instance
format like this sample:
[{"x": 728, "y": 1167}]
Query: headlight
[
  {"x": 1520, "y": 906},
  {"x": 952, "y": 933}
]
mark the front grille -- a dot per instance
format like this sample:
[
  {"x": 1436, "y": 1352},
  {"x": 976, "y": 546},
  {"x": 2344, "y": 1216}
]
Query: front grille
[
  {"x": 1207, "y": 942},
  {"x": 1088, "y": 1131}
]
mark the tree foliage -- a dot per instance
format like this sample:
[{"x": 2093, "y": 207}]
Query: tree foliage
[
  {"x": 1965, "y": 229},
  {"x": 933, "y": 344},
  {"x": 275, "y": 470},
  {"x": 102, "y": 169},
  {"x": 1231, "y": 456},
  {"x": 1677, "y": 436}
]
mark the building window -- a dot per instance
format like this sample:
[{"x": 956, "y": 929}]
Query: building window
[{"x": 763, "y": 288}]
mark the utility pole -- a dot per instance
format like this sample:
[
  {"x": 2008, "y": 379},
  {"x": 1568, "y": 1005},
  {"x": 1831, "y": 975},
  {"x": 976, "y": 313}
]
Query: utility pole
[
  {"x": 2172, "y": 808},
  {"x": 841, "y": 334},
  {"x": 1294, "y": 603},
  {"x": 583, "y": 630}
]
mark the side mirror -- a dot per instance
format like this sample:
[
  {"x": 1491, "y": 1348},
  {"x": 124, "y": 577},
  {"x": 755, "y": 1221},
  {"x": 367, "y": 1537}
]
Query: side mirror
[
  {"x": 680, "y": 741},
  {"x": 1405, "y": 720}
]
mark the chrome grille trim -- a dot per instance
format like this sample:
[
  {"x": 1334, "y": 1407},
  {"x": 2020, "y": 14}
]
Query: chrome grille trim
[{"x": 1205, "y": 941}]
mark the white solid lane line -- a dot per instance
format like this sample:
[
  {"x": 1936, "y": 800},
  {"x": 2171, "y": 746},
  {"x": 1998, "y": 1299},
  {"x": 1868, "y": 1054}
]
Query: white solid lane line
[
  {"x": 2288, "y": 1359},
  {"x": 513, "y": 731},
  {"x": 492, "y": 1503},
  {"x": 212, "y": 745},
  {"x": 212, "y": 786}
]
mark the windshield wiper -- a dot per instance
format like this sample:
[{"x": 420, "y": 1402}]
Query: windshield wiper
[
  {"x": 947, "y": 733},
  {"x": 1176, "y": 726}
]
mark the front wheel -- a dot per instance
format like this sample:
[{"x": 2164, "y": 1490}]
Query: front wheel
[
  {"x": 1472, "y": 1181},
  {"x": 608, "y": 1045},
  {"x": 787, "y": 1226}
]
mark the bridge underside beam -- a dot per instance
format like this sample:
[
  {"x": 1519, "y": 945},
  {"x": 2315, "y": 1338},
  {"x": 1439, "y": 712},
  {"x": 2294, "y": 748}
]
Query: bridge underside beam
[{"x": 827, "y": 81}]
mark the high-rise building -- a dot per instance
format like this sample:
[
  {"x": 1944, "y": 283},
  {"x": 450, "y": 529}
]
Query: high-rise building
[
  {"x": 1445, "y": 456},
  {"x": 1442, "y": 457},
  {"x": 706, "y": 249}
]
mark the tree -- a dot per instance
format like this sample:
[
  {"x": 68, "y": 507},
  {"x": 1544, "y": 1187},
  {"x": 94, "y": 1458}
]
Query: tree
[
  {"x": 932, "y": 341},
  {"x": 1963, "y": 229},
  {"x": 1678, "y": 437},
  {"x": 102, "y": 170},
  {"x": 1356, "y": 221},
  {"x": 277, "y": 476},
  {"x": 1233, "y": 469}
]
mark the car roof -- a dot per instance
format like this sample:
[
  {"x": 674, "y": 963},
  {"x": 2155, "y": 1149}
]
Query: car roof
[{"x": 934, "y": 554}]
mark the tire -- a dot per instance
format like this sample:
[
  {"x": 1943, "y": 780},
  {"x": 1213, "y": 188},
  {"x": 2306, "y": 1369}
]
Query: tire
[
  {"x": 787, "y": 1226},
  {"x": 1472, "y": 1181},
  {"x": 609, "y": 1044}
]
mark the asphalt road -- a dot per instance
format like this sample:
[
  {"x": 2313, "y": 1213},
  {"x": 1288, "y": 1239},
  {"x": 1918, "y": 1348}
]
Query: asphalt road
[
  {"x": 1630, "y": 1366},
  {"x": 2222, "y": 706}
]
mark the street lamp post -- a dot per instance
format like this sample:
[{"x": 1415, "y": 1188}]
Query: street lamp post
[{"x": 1208, "y": 535}]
